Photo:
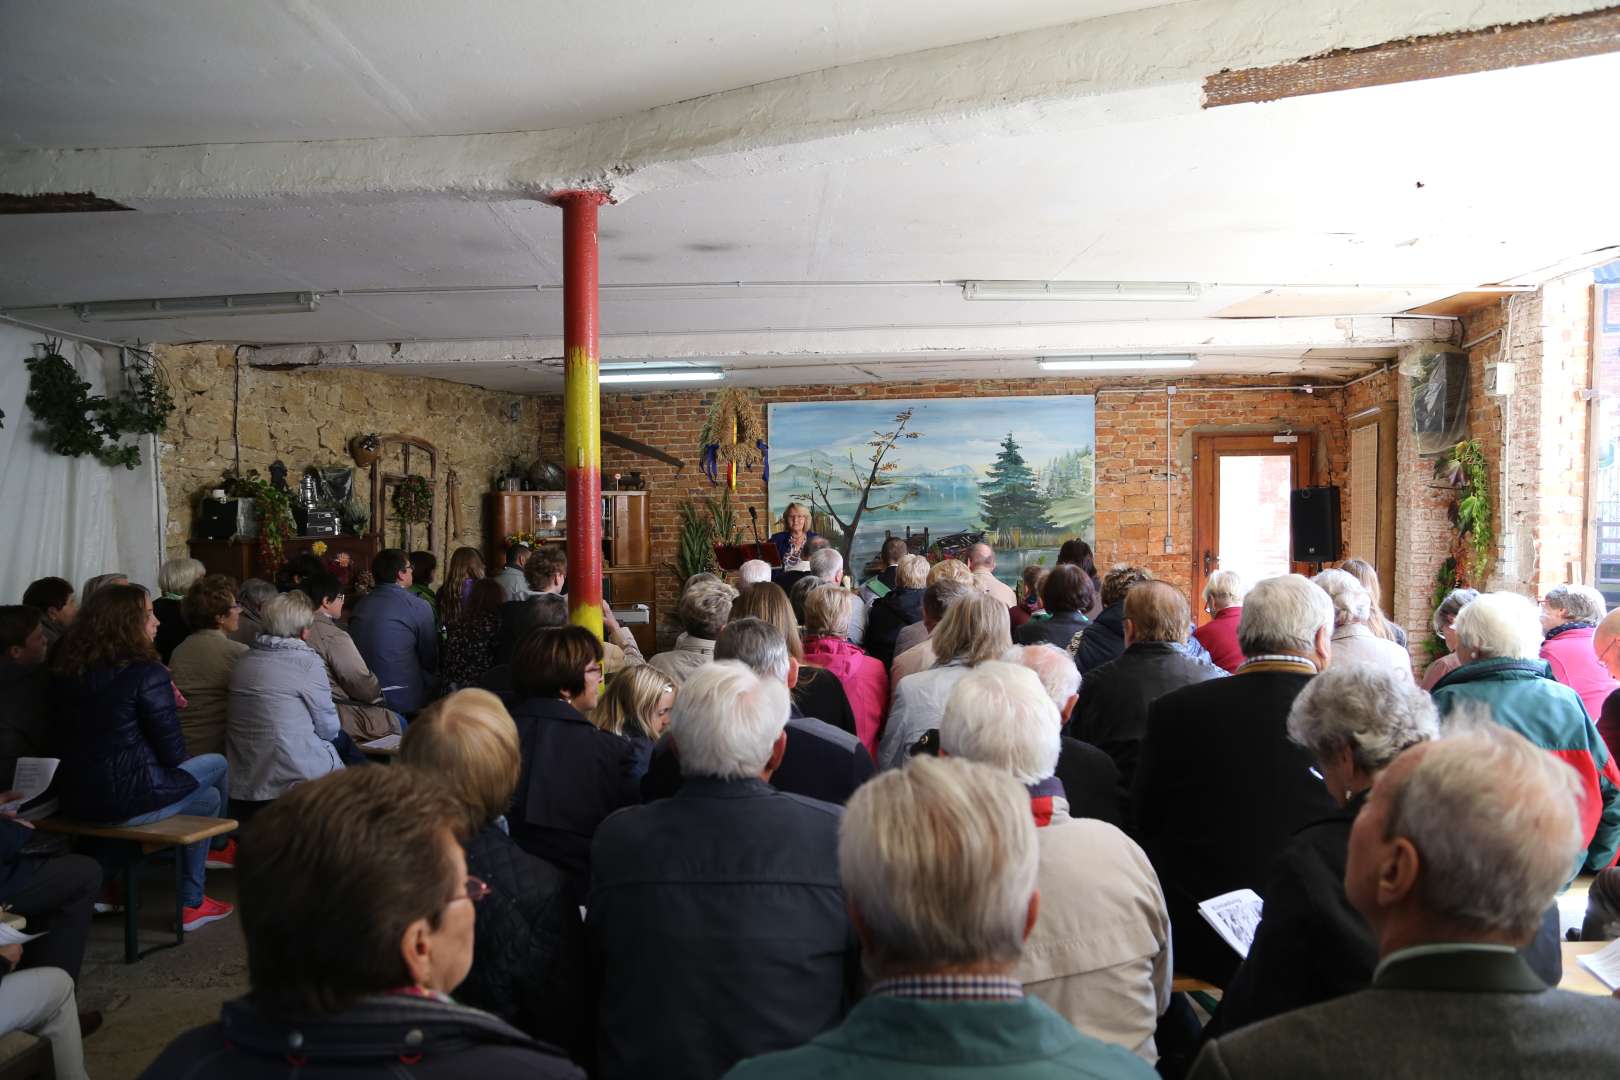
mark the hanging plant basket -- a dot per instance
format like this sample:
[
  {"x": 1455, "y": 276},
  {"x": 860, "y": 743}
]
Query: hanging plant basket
[
  {"x": 77, "y": 423},
  {"x": 413, "y": 500}
]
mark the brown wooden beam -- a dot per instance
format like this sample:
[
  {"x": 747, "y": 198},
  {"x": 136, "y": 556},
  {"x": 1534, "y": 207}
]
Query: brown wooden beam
[
  {"x": 57, "y": 202},
  {"x": 1565, "y": 37}
]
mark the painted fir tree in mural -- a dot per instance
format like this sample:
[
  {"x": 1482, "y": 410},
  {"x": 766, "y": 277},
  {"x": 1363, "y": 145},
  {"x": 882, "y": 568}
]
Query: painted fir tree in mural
[{"x": 1010, "y": 495}]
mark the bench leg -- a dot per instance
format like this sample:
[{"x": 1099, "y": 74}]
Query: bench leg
[
  {"x": 132, "y": 913},
  {"x": 179, "y": 899}
]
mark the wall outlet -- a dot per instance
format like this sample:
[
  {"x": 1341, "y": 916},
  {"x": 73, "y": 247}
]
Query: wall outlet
[{"x": 1499, "y": 380}]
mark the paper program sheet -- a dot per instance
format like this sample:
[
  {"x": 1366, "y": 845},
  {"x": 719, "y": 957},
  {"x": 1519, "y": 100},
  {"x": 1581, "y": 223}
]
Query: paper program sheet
[
  {"x": 1235, "y": 916},
  {"x": 1605, "y": 964},
  {"x": 33, "y": 776}
]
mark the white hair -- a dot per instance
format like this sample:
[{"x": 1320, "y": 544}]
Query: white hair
[
  {"x": 178, "y": 575},
  {"x": 705, "y": 606},
  {"x": 1351, "y": 602},
  {"x": 1496, "y": 823},
  {"x": 939, "y": 860},
  {"x": 754, "y": 571},
  {"x": 1500, "y": 625},
  {"x": 1374, "y": 711},
  {"x": 999, "y": 714},
  {"x": 1283, "y": 614},
  {"x": 1053, "y": 666},
  {"x": 1581, "y": 603},
  {"x": 827, "y": 565},
  {"x": 1223, "y": 589},
  {"x": 727, "y": 719},
  {"x": 911, "y": 572},
  {"x": 757, "y": 644},
  {"x": 287, "y": 615}
]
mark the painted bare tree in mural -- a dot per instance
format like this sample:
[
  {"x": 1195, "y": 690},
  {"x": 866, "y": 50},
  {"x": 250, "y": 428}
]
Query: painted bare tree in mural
[{"x": 865, "y": 478}]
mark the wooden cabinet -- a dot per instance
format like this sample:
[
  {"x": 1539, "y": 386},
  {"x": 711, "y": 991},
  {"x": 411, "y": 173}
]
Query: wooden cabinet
[
  {"x": 628, "y": 574},
  {"x": 240, "y": 558}
]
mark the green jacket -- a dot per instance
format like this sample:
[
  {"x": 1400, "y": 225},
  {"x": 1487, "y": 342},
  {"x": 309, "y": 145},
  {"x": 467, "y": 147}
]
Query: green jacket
[{"x": 897, "y": 1038}]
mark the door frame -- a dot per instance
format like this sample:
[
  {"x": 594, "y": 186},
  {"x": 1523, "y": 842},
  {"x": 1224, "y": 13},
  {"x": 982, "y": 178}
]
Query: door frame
[{"x": 1207, "y": 448}]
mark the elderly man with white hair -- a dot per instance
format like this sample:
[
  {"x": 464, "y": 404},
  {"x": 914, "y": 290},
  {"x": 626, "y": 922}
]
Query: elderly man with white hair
[
  {"x": 1090, "y": 777},
  {"x": 1100, "y": 954},
  {"x": 1569, "y": 618},
  {"x": 940, "y": 861},
  {"x": 717, "y": 914},
  {"x": 1461, "y": 846},
  {"x": 1353, "y": 639},
  {"x": 828, "y": 566},
  {"x": 1499, "y": 643},
  {"x": 753, "y": 572},
  {"x": 1220, "y": 789}
]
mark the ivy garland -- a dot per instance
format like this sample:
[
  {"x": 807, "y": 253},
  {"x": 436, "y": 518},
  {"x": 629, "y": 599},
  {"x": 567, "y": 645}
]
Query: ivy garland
[
  {"x": 413, "y": 500},
  {"x": 78, "y": 423},
  {"x": 1464, "y": 469}
]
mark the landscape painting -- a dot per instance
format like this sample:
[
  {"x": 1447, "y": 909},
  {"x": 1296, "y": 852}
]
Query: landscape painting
[{"x": 1021, "y": 470}]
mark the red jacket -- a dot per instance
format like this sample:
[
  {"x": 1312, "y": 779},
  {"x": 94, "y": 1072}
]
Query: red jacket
[
  {"x": 1219, "y": 636},
  {"x": 1568, "y": 651},
  {"x": 865, "y": 681}
]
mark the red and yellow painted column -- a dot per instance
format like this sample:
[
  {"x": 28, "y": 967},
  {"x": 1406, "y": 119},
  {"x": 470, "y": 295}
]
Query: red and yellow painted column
[{"x": 582, "y": 408}]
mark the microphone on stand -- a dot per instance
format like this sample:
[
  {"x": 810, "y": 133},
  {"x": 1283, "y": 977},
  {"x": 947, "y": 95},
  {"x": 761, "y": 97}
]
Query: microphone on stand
[{"x": 753, "y": 515}]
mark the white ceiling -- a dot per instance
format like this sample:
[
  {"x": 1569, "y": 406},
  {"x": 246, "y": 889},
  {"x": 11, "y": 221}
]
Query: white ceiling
[{"x": 1371, "y": 201}]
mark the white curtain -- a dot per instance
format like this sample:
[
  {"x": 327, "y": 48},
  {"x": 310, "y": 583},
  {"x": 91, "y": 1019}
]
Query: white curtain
[{"x": 69, "y": 517}]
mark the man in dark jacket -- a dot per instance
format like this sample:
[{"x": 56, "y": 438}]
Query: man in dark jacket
[
  {"x": 716, "y": 915},
  {"x": 24, "y": 731},
  {"x": 1104, "y": 639},
  {"x": 1220, "y": 789},
  {"x": 1114, "y": 698},
  {"x": 397, "y": 634}
]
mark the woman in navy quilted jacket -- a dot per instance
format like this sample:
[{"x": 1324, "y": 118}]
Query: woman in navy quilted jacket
[{"x": 123, "y": 759}]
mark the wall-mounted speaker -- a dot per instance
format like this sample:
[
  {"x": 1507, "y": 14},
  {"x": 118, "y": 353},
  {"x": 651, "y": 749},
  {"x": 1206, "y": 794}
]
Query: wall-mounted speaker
[{"x": 1314, "y": 524}]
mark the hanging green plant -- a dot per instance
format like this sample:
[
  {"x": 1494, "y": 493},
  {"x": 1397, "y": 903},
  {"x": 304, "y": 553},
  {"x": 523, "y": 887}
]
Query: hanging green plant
[
  {"x": 77, "y": 423},
  {"x": 1465, "y": 469},
  {"x": 271, "y": 506},
  {"x": 413, "y": 500}
]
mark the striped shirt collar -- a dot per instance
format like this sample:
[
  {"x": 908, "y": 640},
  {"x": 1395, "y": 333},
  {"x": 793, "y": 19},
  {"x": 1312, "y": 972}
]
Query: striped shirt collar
[
  {"x": 1278, "y": 658},
  {"x": 950, "y": 987}
]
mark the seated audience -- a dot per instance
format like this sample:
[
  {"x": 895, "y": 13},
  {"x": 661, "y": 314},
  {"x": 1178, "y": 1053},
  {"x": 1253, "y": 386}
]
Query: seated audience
[
  {"x": 511, "y": 575},
  {"x": 1223, "y": 602},
  {"x": 99, "y": 582},
  {"x": 897, "y": 609},
  {"x": 703, "y": 611},
  {"x": 915, "y": 634},
  {"x": 356, "y": 690},
  {"x": 528, "y": 964},
  {"x": 1499, "y": 640},
  {"x": 828, "y": 566},
  {"x": 818, "y": 693},
  {"x": 717, "y": 914},
  {"x": 1461, "y": 846},
  {"x": 1220, "y": 789},
  {"x": 55, "y": 893},
  {"x": 398, "y": 635},
  {"x": 974, "y": 630},
  {"x": 424, "y": 564},
  {"x": 1103, "y": 639},
  {"x": 466, "y": 567},
  {"x": 1112, "y": 713},
  {"x": 123, "y": 760},
  {"x": 548, "y": 611},
  {"x": 1381, "y": 627},
  {"x": 25, "y": 730},
  {"x": 1076, "y": 552},
  {"x": 1569, "y": 618},
  {"x": 827, "y": 615},
  {"x": 752, "y": 572},
  {"x": 1604, "y": 641},
  {"x": 1312, "y": 945},
  {"x": 253, "y": 594},
  {"x": 281, "y": 720},
  {"x": 54, "y": 599},
  {"x": 175, "y": 579},
  {"x": 1090, "y": 778},
  {"x": 296, "y": 569},
  {"x": 574, "y": 774},
  {"x": 1445, "y": 616},
  {"x": 1353, "y": 639},
  {"x": 981, "y": 561},
  {"x": 359, "y": 925},
  {"x": 1100, "y": 952},
  {"x": 518, "y": 617},
  {"x": 636, "y": 705},
  {"x": 938, "y": 598},
  {"x": 889, "y": 555},
  {"x": 470, "y": 638},
  {"x": 547, "y": 569},
  {"x": 203, "y": 662},
  {"x": 939, "y": 861},
  {"x": 40, "y": 1001},
  {"x": 1029, "y": 597},
  {"x": 1065, "y": 595},
  {"x": 799, "y": 589}
]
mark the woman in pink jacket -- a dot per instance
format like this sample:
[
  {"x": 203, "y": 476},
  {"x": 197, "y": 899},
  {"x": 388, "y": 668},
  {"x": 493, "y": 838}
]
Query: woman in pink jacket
[
  {"x": 826, "y": 644},
  {"x": 1569, "y": 617}
]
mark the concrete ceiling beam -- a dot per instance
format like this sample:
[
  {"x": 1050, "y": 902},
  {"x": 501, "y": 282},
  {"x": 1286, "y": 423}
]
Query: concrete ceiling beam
[{"x": 1117, "y": 69}]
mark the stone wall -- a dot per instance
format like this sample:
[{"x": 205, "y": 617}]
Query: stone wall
[{"x": 306, "y": 416}]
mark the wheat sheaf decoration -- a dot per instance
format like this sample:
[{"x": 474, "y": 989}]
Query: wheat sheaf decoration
[{"x": 732, "y": 436}]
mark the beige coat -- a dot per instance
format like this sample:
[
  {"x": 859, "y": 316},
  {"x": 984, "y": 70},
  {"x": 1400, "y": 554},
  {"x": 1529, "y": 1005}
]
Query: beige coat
[
  {"x": 990, "y": 585},
  {"x": 689, "y": 654},
  {"x": 201, "y": 667},
  {"x": 355, "y": 689},
  {"x": 918, "y": 658},
  {"x": 1100, "y": 952}
]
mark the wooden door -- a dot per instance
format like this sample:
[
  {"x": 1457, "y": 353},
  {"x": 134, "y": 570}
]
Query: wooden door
[{"x": 1241, "y": 487}]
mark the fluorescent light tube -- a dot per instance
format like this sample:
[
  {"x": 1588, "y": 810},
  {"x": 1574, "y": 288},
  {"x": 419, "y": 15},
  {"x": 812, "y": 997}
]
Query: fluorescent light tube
[
  {"x": 1116, "y": 363},
  {"x": 1163, "y": 291},
  {"x": 677, "y": 376},
  {"x": 188, "y": 307}
]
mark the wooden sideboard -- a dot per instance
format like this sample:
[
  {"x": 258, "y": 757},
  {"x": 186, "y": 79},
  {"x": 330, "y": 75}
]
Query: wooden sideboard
[
  {"x": 240, "y": 558},
  {"x": 628, "y": 574}
]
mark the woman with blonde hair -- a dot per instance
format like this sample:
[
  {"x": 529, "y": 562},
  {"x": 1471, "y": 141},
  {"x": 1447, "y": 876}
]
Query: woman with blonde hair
[
  {"x": 865, "y": 679},
  {"x": 528, "y": 941},
  {"x": 1380, "y": 626},
  {"x": 636, "y": 704},
  {"x": 818, "y": 693},
  {"x": 974, "y": 629},
  {"x": 466, "y": 567}
]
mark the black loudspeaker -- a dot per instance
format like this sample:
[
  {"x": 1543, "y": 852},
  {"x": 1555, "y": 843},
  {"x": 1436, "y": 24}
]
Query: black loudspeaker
[{"x": 1314, "y": 524}]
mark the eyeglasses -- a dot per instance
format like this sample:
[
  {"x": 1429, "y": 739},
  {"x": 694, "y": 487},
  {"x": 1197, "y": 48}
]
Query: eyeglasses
[{"x": 477, "y": 889}]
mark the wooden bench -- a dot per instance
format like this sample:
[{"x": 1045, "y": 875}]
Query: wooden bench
[{"x": 171, "y": 832}]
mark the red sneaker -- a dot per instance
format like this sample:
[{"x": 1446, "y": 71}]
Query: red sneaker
[
  {"x": 210, "y": 910},
  {"x": 224, "y": 858}
]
